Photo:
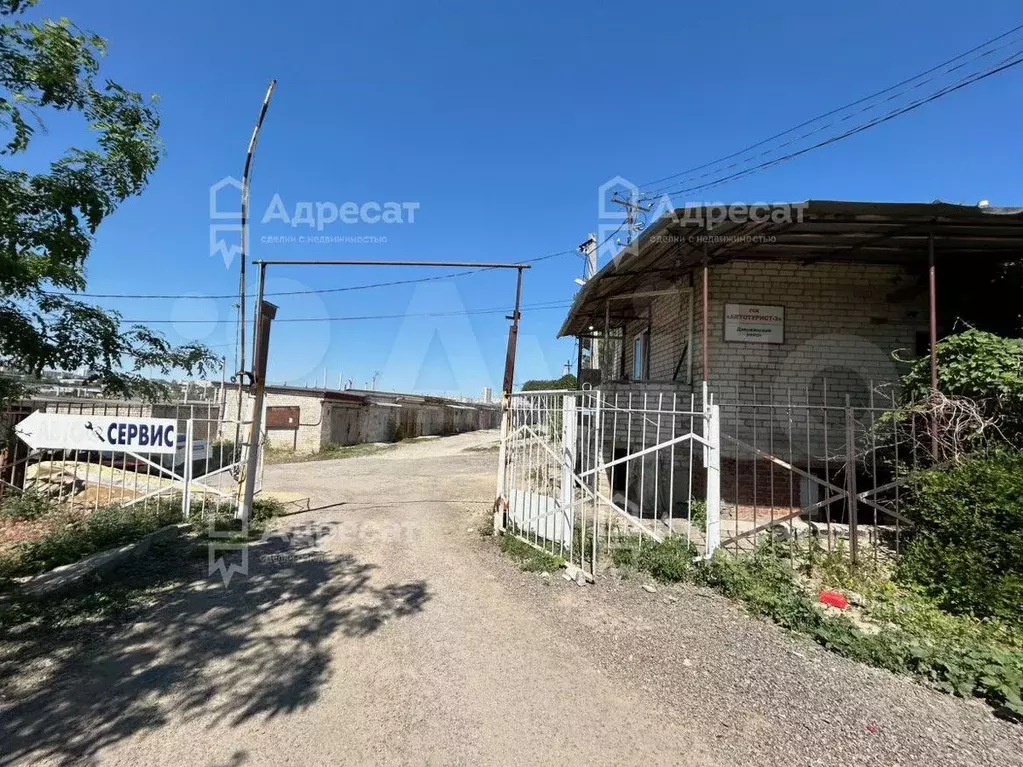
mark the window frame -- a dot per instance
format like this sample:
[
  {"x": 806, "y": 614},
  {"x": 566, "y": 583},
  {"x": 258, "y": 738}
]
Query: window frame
[{"x": 641, "y": 355}]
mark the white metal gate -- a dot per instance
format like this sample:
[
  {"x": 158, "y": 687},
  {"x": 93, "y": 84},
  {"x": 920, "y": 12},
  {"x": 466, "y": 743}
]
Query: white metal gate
[{"x": 579, "y": 471}]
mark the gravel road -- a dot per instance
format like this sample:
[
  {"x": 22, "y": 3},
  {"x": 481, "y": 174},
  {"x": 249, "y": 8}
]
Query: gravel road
[{"x": 381, "y": 627}]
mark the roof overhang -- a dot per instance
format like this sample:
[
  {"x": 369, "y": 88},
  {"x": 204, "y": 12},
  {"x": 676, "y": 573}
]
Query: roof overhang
[{"x": 806, "y": 232}]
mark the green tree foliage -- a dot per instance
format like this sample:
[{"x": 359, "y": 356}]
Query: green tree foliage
[
  {"x": 968, "y": 549},
  {"x": 48, "y": 219},
  {"x": 979, "y": 366},
  {"x": 567, "y": 381}
]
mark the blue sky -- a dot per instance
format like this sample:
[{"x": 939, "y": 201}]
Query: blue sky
[{"x": 500, "y": 121}]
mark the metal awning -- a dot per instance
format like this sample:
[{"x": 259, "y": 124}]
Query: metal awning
[{"x": 835, "y": 231}]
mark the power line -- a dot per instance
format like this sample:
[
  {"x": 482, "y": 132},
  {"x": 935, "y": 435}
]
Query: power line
[
  {"x": 839, "y": 110},
  {"x": 306, "y": 292},
  {"x": 963, "y": 83},
  {"x": 494, "y": 310}
]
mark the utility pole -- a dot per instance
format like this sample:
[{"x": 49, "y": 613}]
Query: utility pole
[
  {"x": 265, "y": 314},
  {"x": 589, "y": 251},
  {"x": 508, "y": 386},
  {"x": 632, "y": 209}
]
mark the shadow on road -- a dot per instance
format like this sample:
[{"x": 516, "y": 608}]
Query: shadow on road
[{"x": 166, "y": 643}]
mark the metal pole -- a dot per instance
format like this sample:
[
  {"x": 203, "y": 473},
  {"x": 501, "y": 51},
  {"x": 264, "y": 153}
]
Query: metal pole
[
  {"x": 605, "y": 355},
  {"x": 933, "y": 291},
  {"x": 513, "y": 337},
  {"x": 713, "y": 500},
  {"x": 246, "y": 179},
  {"x": 508, "y": 385},
  {"x": 265, "y": 314},
  {"x": 706, "y": 323},
  {"x": 850, "y": 479}
]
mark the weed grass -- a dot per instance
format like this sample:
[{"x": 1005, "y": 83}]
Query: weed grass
[{"x": 529, "y": 558}]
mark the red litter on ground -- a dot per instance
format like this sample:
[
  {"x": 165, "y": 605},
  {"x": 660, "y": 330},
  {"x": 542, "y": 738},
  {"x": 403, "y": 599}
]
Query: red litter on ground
[{"x": 834, "y": 599}]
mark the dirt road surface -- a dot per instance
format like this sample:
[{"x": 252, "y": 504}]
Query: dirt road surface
[{"x": 380, "y": 627}]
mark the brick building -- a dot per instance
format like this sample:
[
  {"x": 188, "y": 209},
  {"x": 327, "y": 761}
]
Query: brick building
[{"x": 796, "y": 320}]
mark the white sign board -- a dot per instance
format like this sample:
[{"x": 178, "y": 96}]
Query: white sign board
[
  {"x": 106, "y": 433},
  {"x": 755, "y": 324}
]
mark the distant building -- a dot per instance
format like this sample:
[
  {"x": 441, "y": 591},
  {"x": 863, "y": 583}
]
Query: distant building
[{"x": 307, "y": 420}]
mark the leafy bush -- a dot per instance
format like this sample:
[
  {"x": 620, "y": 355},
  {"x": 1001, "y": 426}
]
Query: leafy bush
[
  {"x": 25, "y": 505},
  {"x": 567, "y": 381},
  {"x": 968, "y": 549},
  {"x": 979, "y": 366},
  {"x": 220, "y": 518}
]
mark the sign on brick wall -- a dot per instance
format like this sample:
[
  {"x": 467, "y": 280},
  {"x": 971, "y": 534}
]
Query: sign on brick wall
[{"x": 755, "y": 323}]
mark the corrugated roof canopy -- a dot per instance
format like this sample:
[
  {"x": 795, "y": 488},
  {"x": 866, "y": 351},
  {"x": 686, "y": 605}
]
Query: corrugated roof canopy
[{"x": 864, "y": 232}]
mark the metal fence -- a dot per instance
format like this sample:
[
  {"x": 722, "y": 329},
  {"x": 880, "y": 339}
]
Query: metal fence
[
  {"x": 583, "y": 473},
  {"x": 203, "y": 471},
  {"x": 823, "y": 470}
]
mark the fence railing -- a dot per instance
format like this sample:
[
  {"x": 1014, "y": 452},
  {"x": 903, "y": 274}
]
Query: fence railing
[
  {"x": 583, "y": 473},
  {"x": 203, "y": 471}
]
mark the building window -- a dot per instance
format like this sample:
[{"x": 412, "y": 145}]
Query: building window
[{"x": 641, "y": 357}]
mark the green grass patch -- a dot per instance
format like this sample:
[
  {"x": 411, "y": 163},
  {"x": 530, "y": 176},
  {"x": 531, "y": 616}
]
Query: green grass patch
[
  {"x": 529, "y": 558},
  {"x": 495, "y": 448},
  {"x": 77, "y": 537},
  {"x": 80, "y": 537},
  {"x": 27, "y": 505},
  {"x": 669, "y": 561},
  {"x": 220, "y": 520}
]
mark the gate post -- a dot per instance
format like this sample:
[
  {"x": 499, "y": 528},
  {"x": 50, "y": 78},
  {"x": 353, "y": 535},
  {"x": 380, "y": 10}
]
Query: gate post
[
  {"x": 186, "y": 493},
  {"x": 713, "y": 452},
  {"x": 569, "y": 448},
  {"x": 850, "y": 479},
  {"x": 502, "y": 466}
]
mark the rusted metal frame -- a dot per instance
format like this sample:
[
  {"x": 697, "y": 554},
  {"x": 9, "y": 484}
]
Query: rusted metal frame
[
  {"x": 780, "y": 520},
  {"x": 932, "y": 288},
  {"x": 850, "y": 480},
  {"x": 705, "y": 324}
]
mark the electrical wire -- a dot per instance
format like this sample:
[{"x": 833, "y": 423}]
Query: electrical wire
[
  {"x": 310, "y": 291},
  {"x": 493, "y": 310},
  {"x": 689, "y": 171},
  {"x": 959, "y": 85}
]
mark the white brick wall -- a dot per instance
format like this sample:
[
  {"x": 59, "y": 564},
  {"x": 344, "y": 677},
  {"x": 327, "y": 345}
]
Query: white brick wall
[{"x": 839, "y": 325}]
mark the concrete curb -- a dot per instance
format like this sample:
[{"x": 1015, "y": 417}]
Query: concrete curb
[{"x": 62, "y": 578}]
